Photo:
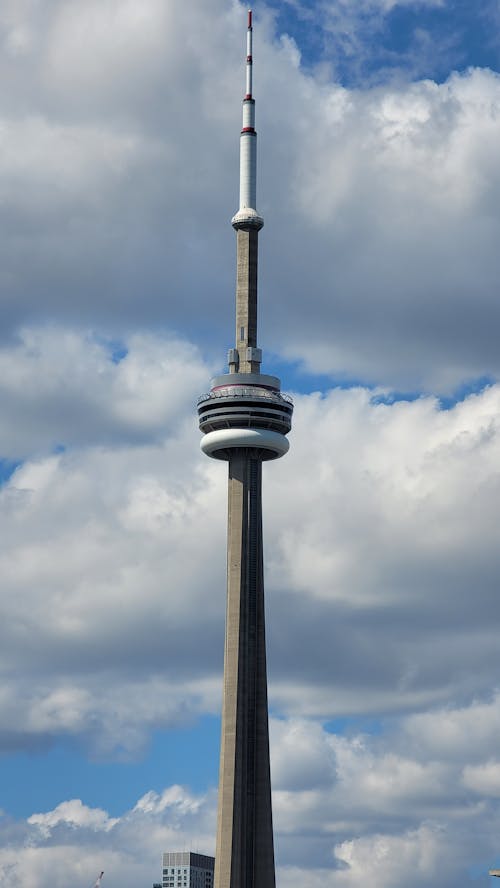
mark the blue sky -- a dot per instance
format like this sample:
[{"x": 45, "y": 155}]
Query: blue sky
[
  {"x": 379, "y": 182},
  {"x": 62, "y": 771},
  {"x": 410, "y": 40}
]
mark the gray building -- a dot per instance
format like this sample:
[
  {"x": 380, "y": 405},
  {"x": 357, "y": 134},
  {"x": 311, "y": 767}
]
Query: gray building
[{"x": 185, "y": 869}]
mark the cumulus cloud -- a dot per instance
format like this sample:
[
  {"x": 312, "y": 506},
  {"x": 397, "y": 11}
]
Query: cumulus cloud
[
  {"x": 74, "y": 814},
  {"x": 64, "y": 388},
  {"x": 76, "y": 839},
  {"x": 483, "y": 779},
  {"x": 393, "y": 816},
  {"x": 379, "y": 263},
  {"x": 392, "y": 576},
  {"x": 82, "y": 532},
  {"x": 393, "y": 175},
  {"x": 381, "y": 602},
  {"x": 390, "y": 817},
  {"x": 389, "y": 191},
  {"x": 392, "y": 538}
]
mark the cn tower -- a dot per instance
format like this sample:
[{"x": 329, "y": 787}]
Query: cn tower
[{"x": 245, "y": 419}]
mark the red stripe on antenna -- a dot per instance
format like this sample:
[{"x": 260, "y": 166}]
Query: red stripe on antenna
[{"x": 249, "y": 18}]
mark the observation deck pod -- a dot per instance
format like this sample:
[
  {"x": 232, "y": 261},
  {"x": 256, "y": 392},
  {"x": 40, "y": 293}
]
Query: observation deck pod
[{"x": 245, "y": 411}]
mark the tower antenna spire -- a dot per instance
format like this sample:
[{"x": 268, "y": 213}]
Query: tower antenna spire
[
  {"x": 247, "y": 216},
  {"x": 249, "y": 56},
  {"x": 246, "y": 357}
]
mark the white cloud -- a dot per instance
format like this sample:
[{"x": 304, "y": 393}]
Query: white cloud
[
  {"x": 457, "y": 732},
  {"x": 173, "y": 797},
  {"x": 392, "y": 576},
  {"x": 81, "y": 840},
  {"x": 379, "y": 262},
  {"x": 303, "y": 756},
  {"x": 388, "y": 536},
  {"x": 416, "y": 858},
  {"x": 483, "y": 779},
  {"x": 389, "y": 817},
  {"x": 379, "y": 815},
  {"x": 398, "y": 194},
  {"x": 64, "y": 387},
  {"x": 74, "y": 814},
  {"x": 119, "y": 202},
  {"x": 97, "y": 541}
]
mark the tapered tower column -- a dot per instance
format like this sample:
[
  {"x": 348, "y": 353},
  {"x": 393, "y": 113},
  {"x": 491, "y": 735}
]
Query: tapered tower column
[
  {"x": 245, "y": 855},
  {"x": 245, "y": 419}
]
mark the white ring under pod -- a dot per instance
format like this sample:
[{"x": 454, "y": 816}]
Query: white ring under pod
[{"x": 263, "y": 439}]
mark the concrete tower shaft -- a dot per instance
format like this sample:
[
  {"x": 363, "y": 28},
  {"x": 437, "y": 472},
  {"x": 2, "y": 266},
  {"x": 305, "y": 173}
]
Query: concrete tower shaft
[
  {"x": 249, "y": 356},
  {"x": 244, "y": 856}
]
